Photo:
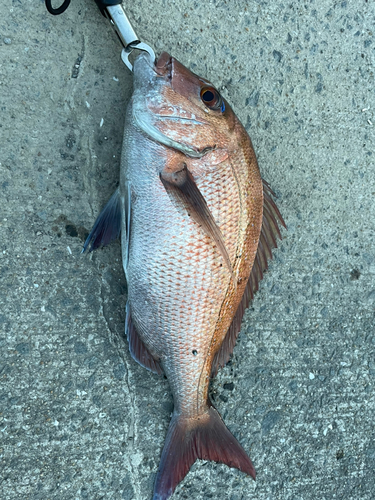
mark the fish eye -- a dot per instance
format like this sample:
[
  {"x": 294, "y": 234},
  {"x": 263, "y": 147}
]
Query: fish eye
[{"x": 212, "y": 99}]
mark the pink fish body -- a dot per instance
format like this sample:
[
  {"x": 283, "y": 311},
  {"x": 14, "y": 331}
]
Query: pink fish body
[{"x": 197, "y": 227}]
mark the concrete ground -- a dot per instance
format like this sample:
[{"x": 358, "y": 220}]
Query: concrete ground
[{"x": 79, "y": 419}]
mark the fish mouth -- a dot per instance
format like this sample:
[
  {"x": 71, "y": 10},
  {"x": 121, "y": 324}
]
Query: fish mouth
[{"x": 164, "y": 65}]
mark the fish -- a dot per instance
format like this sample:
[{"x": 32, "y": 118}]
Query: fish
[{"x": 197, "y": 226}]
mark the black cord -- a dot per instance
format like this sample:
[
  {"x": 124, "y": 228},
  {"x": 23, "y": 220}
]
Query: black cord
[{"x": 59, "y": 10}]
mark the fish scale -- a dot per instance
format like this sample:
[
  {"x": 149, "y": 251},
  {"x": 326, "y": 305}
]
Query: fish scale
[{"x": 217, "y": 189}]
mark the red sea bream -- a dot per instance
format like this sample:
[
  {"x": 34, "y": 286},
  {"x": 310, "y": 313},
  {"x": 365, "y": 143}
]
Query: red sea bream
[{"x": 197, "y": 226}]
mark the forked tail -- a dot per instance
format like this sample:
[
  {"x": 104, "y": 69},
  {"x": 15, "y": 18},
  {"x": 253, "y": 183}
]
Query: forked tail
[{"x": 205, "y": 437}]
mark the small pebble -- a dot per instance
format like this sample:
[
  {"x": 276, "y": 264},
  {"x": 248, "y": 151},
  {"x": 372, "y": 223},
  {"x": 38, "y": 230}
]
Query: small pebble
[{"x": 8, "y": 41}]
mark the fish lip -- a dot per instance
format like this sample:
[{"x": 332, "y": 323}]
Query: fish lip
[
  {"x": 164, "y": 65},
  {"x": 144, "y": 59},
  {"x": 165, "y": 70}
]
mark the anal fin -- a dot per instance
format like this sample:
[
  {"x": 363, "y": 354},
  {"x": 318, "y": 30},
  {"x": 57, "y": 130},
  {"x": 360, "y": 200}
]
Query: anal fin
[{"x": 137, "y": 348}]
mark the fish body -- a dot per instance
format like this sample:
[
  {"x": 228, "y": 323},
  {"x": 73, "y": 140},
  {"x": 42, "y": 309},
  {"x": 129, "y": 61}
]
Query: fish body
[{"x": 197, "y": 225}]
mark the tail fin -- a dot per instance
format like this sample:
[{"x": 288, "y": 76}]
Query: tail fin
[{"x": 205, "y": 437}]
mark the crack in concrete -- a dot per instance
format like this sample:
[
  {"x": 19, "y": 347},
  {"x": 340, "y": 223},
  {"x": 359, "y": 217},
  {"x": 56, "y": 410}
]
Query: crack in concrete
[
  {"x": 132, "y": 427},
  {"x": 132, "y": 433}
]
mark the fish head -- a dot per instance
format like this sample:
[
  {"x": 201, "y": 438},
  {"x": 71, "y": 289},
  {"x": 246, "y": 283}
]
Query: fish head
[{"x": 179, "y": 109}]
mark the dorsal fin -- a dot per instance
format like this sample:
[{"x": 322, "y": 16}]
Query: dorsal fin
[
  {"x": 137, "y": 348},
  {"x": 267, "y": 241}
]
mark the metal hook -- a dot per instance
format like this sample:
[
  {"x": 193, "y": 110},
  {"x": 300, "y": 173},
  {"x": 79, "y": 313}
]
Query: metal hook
[
  {"x": 59, "y": 10},
  {"x": 126, "y": 34},
  {"x": 139, "y": 46}
]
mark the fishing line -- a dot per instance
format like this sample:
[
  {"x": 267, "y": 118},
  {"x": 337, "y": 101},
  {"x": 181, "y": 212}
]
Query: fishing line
[{"x": 59, "y": 10}]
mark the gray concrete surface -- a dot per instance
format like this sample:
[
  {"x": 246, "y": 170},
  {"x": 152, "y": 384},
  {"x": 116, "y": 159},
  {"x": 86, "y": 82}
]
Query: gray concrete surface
[{"x": 79, "y": 419}]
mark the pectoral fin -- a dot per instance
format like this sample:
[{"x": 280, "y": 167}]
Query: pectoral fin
[
  {"x": 107, "y": 226},
  {"x": 182, "y": 188}
]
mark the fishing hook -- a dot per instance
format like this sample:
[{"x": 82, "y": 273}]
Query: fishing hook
[
  {"x": 128, "y": 38},
  {"x": 59, "y": 10}
]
